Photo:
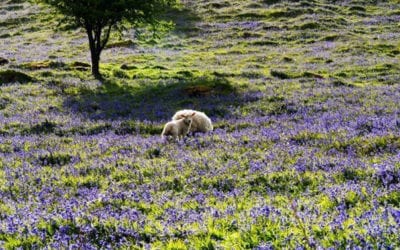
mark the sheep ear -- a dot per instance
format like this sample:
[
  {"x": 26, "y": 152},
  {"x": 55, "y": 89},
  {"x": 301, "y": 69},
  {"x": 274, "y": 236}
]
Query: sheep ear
[{"x": 193, "y": 113}]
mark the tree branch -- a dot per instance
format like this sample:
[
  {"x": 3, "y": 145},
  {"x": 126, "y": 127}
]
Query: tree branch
[{"x": 106, "y": 37}]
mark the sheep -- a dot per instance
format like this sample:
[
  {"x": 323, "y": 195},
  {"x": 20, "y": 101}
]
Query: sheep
[
  {"x": 200, "y": 123},
  {"x": 178, "y": 128}
]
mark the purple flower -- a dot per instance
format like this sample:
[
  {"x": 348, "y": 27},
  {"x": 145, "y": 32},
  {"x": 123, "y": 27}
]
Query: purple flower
[
  {"x": 256, "y": 166},
  {"x": 396, "y": 215},
  {"x": 263, "y": 211},
  {"x": 264, "y": 246}
]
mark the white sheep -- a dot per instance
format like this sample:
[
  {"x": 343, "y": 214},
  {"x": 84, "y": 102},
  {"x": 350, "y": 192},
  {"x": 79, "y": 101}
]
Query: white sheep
[
  {"x": 200, "y": 123},
  {"x": 178, "y": 128}
]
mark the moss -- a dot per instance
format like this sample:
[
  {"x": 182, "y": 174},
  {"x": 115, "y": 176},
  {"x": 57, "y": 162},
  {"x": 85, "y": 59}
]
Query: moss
[
  {"x": 223, "y": 74},
  {"x": 251, "y": 15},
  {"x": 383, "y": 48},
  {"x": 128, "y": 67},
  {"x": 331, "y": 38},
  {"x": 264, "y": 43},
  {"x": 42, "y": 65},
  {"x": 79, "y": 67},
  {"x": 253, "y": 6},
  {"x": 287, "y": 59},
  {"x": 185, "y": 73},
  {"x": 312, "y": 75},
  {"x": 12, "y": 76},
  {"x": 160, "y": 67},
  {"x": 15, "y": 1},
  {"x": 394, "y": 52},
  {"x": 14, "y": 22},
  {"x": 120, "y": 74},
  {"x": 3, "y": 61},
  {"x": 271, "y": 1},
  {"x": 46, "y": 74},
  {"x": 219, "y": 5},
  {"x": 247, "y": 34},
  {"x": 338, "y": 82},
  {"x": 4, "y": 102},
  {"x": 253, "y": 74},
  {"x": 280, "y": 74},
  {"x": 6, "y": 35},
  {"x": 357, "y": 8},
  {"x": 311, "y": 25},
  {"x": 288, "y": 13},
  {"x": 13, "y": 7}
]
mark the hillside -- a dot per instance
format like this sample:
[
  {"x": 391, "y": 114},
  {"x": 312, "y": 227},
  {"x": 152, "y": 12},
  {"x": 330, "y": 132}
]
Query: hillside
[{"x": 305, "y": 152}]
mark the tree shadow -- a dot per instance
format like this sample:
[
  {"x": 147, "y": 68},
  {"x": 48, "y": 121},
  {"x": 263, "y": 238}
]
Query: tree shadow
[
  {"x": 184, "y": 18},
  {"x": 156, "y": 102}
]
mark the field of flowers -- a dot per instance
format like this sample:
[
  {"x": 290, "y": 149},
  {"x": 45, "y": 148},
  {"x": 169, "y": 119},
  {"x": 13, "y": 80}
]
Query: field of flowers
[{"x": 305, "y": 99}]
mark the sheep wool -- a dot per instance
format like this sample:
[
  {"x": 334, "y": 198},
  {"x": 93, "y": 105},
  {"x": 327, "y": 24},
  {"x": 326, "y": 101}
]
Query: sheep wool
[
  {"x": 200, "y": 123},
  {"x": 178, "y": 128}
]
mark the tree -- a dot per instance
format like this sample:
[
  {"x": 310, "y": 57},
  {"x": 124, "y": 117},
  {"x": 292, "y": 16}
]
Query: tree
[{"x": 100, "y": 17}]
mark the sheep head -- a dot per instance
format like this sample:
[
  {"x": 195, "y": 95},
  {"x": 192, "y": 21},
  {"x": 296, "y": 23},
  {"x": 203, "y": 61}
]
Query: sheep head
[{"x": 187, "y": 119}]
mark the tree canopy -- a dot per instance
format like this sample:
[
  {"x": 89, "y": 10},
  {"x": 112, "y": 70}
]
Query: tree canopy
[{"x": 100, "y": 17}]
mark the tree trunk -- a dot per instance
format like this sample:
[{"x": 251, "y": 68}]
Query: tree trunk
[
  {"x": 95, "y": 64},
  {"x": 97, "y": 42},
  {"x": 95, "y": 52}
]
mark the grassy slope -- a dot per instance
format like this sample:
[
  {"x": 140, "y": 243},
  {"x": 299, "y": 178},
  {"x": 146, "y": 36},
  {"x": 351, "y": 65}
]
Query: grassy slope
[
  {"x": 305, "y": 99},
  {"x": 248, "y": 44}
]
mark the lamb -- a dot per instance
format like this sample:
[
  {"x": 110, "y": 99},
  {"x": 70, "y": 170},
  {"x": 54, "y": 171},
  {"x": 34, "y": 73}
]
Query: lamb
[
  {"x": 200, "y": 123},
  {"x": 178, "y": 128}
]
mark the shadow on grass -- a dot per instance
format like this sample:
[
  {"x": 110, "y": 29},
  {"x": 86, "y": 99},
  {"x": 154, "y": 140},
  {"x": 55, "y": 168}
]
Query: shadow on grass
[
  {"x": 158, "y": 101},
  {"x": 184, "y": 18}
]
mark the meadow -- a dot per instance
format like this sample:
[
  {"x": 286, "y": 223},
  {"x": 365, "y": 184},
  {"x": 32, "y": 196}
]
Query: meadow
[{"x": 305, "y": 152}]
